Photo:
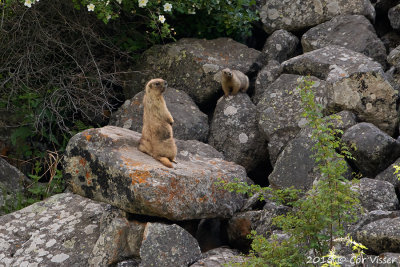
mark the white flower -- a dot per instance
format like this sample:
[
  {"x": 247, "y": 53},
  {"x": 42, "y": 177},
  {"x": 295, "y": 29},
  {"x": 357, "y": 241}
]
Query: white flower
[
  {"x": 161, "y": 18},
  {"x": 108, "y": 17},
  {"x": 90, "y": 7},
  {"x": 28, "y": 3},
  {"x": 142, "y": 3},
  {"x": 191, "y": 11},
  {"x": 167, "y": 7},
  {"x": 119, "y": 1}
]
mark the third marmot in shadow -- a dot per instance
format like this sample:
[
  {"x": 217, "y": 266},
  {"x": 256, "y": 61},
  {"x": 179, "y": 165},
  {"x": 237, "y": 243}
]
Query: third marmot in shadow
[
  {"x": 157, "y": 139},
  {"x": 234, "y": 81}
]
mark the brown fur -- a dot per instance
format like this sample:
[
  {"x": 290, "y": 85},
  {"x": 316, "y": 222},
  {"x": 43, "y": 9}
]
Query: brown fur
[
  {"x": 157, "y": 138},
  {"x": 234, "y": 81}
]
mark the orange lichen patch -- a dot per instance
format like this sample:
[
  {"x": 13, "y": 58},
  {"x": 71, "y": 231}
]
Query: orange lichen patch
[
  {"x": 88, "y": 176},
  {"x": 130, "y": 162},
  {"x": 136, "y": 103},
  {"x": 82, "y": 161},
  {"x": 87, "y": 135},
  {"x": 213, "y": 162},
  {"x": 76, "y": 171},
  {"x": 139, "y": 177}
]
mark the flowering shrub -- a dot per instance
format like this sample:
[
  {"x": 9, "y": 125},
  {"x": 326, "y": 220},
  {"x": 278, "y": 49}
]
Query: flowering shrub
[{"x": 197, "y": 18}]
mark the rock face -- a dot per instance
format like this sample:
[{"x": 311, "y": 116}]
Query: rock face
[
  {"x": 354, "y": 32},
  {"x": 62, "y": 230},
  {"x": 375, "y": 150},
  {"x": 234, "y": 131},
  {"x": 104, "y": 164},
  {"x": 193, "y": 66},
  {"x": 296, "y": 16},
  {"x": 189, "y": 122},
  {"x": 280, "y": 111},
  {"x": 377, "y": 195},
  {"x": 280, "y": 46},
  {"x": 331, "y": 63},
  {"x": 394, "y": 57},
  {"x": 381, "y": 235},
  {"x": 168, "y": 245},
  {"x": 219, "y": 257},
  {"x": 11, "y": 184},
  {"x": 358, "y": 84},
  {"x": 265, "y": 77},
  {"x": 394, "y": 17},
  {"x": 389, "y": 176}
]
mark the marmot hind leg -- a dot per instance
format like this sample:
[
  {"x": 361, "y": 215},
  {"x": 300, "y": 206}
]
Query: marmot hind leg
[
  {"x": 144, "y": 146},
  {"x": 165, "y": 161}
]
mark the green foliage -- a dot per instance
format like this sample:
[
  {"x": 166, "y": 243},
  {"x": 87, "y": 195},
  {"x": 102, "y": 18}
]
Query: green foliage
[
  {"x": 397, "y": 171},
  {"x": 319, "y": 217},
  {"x": 333, "y": 260}
]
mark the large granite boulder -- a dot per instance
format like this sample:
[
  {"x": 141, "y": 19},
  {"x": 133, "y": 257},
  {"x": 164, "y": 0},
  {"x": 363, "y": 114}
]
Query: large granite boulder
[
  {"x": 234, "y": 131},
  {"x": 280, "y": 111},
  {"x": 189, "y": 122},
  {"x": 267, "y": 75},
  {"x": 193, "y": 66},
  {"x": 381, "y": 235},
  {"x": 358, "y": 84},
  {"x": 376, "y": 194},
  {"x": 64, "y": 230},
  {"x": 11, "y": 184},
  {"x": 394, "y": 57},
  {"x": 168, "y": 245},
  {"x": 373, "y": 149},
  {"x": 296, "y": 164},
  {"x": 219, "y": 257},
  {"x": 394, "y": 17},
  {"x": 104, "y": 164},
  {"x": 300, "y": 15},
  {"x": 280, "y": 46},
  {"x": 354, "y": 32}
]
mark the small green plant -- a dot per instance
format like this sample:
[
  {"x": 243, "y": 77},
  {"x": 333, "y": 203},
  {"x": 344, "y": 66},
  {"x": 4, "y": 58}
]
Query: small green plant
[
  {"x": 334, "y": 260},
  {"x": 317, "y": 218},
  {"x": 397, "y": 171}
]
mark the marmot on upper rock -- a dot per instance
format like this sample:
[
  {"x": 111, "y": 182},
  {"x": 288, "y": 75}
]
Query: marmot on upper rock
[
  {"x": 157, "y": 139},
  {"x": 233, "y": 80}
]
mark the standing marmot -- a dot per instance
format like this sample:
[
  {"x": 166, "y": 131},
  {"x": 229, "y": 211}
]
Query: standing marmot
[
  {"x": 157, "y": 139},
  {"x": 233, "y": 80}
]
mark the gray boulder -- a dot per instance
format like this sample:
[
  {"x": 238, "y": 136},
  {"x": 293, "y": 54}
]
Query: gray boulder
[
  {"x": 331, "y": 63},
  {"x": 300, "y": 15},
  {"x": 219, "y": 257},
  {"x": 193, "y": 66},
  {"x": 381, "y": 236},
  {"x": 11, "y": 184},
  {"x": 267, "y": 75},
  {"x": 280, "y": 111},
  {"x": 391, "y": 40},
  {"x": 104, "y": 164},
  {"x": 394, "y": 17},
  {"x": 354, "y": 32},
  {"x": 241, "y": 224},
  {"x": 389, "y": 176},
  {"x": 62, "y": 230},
  {"x": 376, "y": 195},
  {"x": 189, "y": 122},
  {"x": 358, "y": 84},
  {"x": 374, "y": 150},
  {"x": 296, "y": 165},
  {"x": 280, "y": 46},
  {"x": 394, "y": 57},
  {"x": 234, "y": 131},
  {"x": 168, "y": 245}
]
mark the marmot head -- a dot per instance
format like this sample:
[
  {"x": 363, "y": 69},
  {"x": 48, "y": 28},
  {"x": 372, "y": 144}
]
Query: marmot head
[
  {"x": 227, "y": 72},
  {"x": 156, "y": 86}
]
